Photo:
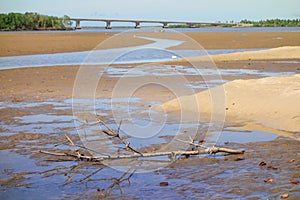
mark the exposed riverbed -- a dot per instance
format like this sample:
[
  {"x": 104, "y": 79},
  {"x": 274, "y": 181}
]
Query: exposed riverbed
[{"x": 37, "y": 111}]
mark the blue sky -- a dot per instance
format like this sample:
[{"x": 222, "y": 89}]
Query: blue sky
[{"x": 183, "y": 10}]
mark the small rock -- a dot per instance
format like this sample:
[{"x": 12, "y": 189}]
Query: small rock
[
  {"x": 239, "y": 159},
  {"x": 269, "y": 180},
  {"x": 262, "y": 164},
  {"x": 294, "y": 181},
  {"x": 292, "y": 160},
  {"x": 285, "y": 195},
  {"x": 272, "y": 168},
  {"x": 164, "y": 183},
  {"x": 100, "y": 190},
  {"x": 201, "y": 141}
]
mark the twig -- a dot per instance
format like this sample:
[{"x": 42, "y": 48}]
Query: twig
[
  {"x": 53, "y": 153},
  {"x": 119, "y": 127},
  {"x": 77, "y": 156},
  {"x": 215, "y": 150},
  {"x": 92, "y": 174},
  {"x": 83, "y": 147},
  {"x": 115, "y": 134},
  {"x": 118, "y": 181},
  {"x": 111, "y": 132},
  {"x": 72, "y": 143},
  {"x": 192, "y": 143}
]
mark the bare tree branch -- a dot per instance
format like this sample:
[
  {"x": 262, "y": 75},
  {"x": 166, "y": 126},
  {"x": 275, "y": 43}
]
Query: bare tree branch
[{"x": 196, "y": 150}]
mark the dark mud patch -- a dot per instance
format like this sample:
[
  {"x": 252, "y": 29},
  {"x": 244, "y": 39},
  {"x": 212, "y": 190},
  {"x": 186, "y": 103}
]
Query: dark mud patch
[{"x": 231, "y": 177}]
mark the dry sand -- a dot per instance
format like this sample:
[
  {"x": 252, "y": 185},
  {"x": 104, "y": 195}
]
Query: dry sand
[
  {"x": 271, "y": 102},
  {"x": 280, "y": 53}
]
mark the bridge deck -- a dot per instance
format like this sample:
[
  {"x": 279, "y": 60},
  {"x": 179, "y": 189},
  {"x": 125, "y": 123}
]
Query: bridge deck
[{"x": 138, "y": 22}]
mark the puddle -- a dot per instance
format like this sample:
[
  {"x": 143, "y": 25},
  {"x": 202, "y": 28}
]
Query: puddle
[
  {"x": 44, "y": 118},
  {"x": 175, "y": 70},
  {"x": 58, "y": 105},
  {"x": 207, "y": 84},
  {"x": 243, "y": 137},
  {"x": 26, "y": 179}
]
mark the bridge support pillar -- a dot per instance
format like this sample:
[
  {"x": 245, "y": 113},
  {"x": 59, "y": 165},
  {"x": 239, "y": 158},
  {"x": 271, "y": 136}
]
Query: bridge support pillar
[
  {"x": 137, "y": 25},
  {"x": 165, "y": 25},
  {"x": 78, "y": 24},
  {"x": 191, "y": 25},
  {"x": 108, "y": 25}
]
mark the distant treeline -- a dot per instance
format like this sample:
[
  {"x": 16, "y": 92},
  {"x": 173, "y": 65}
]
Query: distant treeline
[
  {"x": 32, "y": 21},
  {"x": 261, "y": 23},
  {"x": 273, "y": 22}
]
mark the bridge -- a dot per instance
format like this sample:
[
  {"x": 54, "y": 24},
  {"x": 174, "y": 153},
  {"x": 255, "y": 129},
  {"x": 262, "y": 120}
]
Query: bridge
[{"x": 137, "y": 23}]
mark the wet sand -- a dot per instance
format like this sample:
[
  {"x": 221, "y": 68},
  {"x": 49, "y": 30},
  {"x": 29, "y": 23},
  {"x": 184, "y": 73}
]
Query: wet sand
[
  {"x": 12, "y": 44},
  {"x": 57, "y": 82}
]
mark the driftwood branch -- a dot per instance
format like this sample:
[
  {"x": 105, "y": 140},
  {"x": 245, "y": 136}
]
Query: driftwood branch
[
  {"x": 172, "y": 154},
  {"x": 197, "y": 148}
]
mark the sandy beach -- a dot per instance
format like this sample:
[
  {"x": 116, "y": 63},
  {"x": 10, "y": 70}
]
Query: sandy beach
[
  {"x": 271, "y": 102},
  {"x": 279, "y": 53}
]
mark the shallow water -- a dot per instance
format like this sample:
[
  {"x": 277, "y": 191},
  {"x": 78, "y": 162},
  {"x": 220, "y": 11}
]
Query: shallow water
[
  {"x": 115, "y": 56},
  {"x": 177, "y": 70},
  {"x": 51, "y": 122}
]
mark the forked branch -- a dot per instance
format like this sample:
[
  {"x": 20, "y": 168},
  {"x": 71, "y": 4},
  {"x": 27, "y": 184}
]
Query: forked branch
[{"x": 196, "y": 150}]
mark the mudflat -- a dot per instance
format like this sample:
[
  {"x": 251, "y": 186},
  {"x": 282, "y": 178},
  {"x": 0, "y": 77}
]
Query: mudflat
[
  {"x": 56, "y": 82},
  {"x": 20, "y": 43}
]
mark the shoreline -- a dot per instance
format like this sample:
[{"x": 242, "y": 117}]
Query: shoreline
[{"x": 273, "y": 54}]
